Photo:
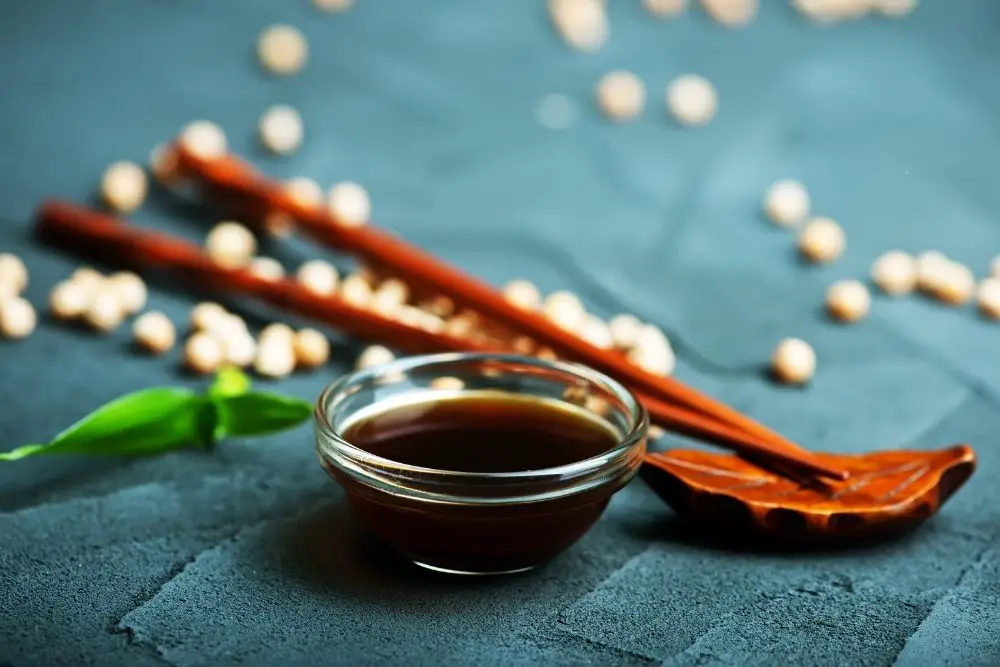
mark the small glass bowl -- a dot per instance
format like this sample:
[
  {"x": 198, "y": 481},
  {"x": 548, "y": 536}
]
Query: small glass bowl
[{"x": 474, "y": 522}]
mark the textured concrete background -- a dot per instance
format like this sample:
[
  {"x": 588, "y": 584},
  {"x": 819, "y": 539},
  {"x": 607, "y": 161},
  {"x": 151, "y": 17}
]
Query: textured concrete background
[{"x": 246, "y": 556}]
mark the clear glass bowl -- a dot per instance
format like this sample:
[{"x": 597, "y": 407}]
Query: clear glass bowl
[{"x": 476, "y": 522}]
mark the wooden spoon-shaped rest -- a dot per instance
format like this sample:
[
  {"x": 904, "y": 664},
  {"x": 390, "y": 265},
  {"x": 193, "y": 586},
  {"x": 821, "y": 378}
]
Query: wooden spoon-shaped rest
[{"x": 887, "y": 492}]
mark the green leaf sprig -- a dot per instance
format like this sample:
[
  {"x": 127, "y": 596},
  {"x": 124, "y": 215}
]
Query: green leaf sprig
[{"x": 152, "y": 421}]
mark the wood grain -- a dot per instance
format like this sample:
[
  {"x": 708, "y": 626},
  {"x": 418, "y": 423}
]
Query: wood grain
[
  {"x": 89, "y": 232},
  {"x": 242, "y": 191},
  {"x": 887, "y": 491}
]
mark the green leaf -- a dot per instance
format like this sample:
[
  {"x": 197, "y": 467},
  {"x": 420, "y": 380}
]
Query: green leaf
[
  {"x": 136, "y": 410},
  {"x": 144, "y": 422},
  {"x": 22, "y": 452},
  {"x": 230, "y": 381},
  {"x": 161, "y": 419},
  {"x": 208, "y": 424},
  {"x": 258, "y": 413}
]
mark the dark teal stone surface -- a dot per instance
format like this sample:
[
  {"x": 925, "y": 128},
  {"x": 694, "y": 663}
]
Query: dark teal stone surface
[{"x": 246, "y": 555}]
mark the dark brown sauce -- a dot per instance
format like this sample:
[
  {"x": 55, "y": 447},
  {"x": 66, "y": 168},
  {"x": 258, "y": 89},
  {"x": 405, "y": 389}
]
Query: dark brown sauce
[
  {"x": 475, "y": 434},
  {"x": 482, "y": 434}
]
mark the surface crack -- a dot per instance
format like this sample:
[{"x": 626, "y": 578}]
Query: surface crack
[
  {"x": 172, "y": 573},
  {"x": 567, "y": 630},
  {"x": 974, "y": 564},
  {"x": 119, "y": 626}
]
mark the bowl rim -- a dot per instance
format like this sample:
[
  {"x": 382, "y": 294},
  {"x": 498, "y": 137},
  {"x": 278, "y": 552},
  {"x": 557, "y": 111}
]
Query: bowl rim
[{"x": 633, "y": 436}]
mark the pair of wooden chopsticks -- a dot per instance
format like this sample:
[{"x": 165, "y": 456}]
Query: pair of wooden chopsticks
[{"x": 255, "y": 198}]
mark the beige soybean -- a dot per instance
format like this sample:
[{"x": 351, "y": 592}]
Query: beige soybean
[
  {"x": 131, "y": 290},
  {"x": 583, "y": 24},
  {"x": 565, "y": 310},
  {"x": 894, "y": 8},
  {"x": 392, "y": 291},
  {"x": 68, "y": 300},
  {"x": 621, "y": 95},
  {"x": 88, "y": 278},
  {"x": 124, "y": 186},
  {"x": 204, "y": 139},
  {"x": 104, "y": 312},
  {"x": 624, "y": 330},
  {"x": 447, "y": 384},
  {"x": 665, "y": 8},
  {"x": 230, "y": 245},
  {"x": 374, "y": 355},
  {"x": 282, "y": 50},
  {"x": 848, "y": 300},
  {"x": 596, "y": 331},
  {"x": 266, "y": 268},
  {"x": 240, "y": 349},
  {"x": 822, "y": 240},
  {"x": 988, "y": 297},
  {"x": 281, "y": 129},
  {"x": 17, "y": 318},
  {"x": 153, "y": 331},
  {"x": 13, "y": 273},
  {"x": 652, "y": 351},
  {"x": 895, "y": 272},
  {"x": 731, "y": 13},
  {"x": 957, "y": 284},
  {"x": 523, "y": 294},
  {"x": 318, "y": 276},
  {"x": 305, "y": 191},
  {"x": 312, "y": 348},
  {"x": 350, "y": 204},
  {"x": 356, "y": 290},
  {"x": 227, "y": 327},
  {"x": 203, "y": 354},
  {"x": 278, "y": 331},
  {"x": 793, "y": 361},
  {"x": 932, "y": 270},
  {"x": 692, "y": 100},
  {"x": 206, "y": 315},
  {"x": 787, "y": 203},
  {"x": 333, "y": 6},
  {"x": 275, "y": 357}
]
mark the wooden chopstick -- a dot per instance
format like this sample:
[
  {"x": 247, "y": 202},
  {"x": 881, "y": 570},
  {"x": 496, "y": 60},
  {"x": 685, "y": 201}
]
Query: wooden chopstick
[
  {"x": 254, "y": 197},
  {"x": 89, "y": 232}
]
